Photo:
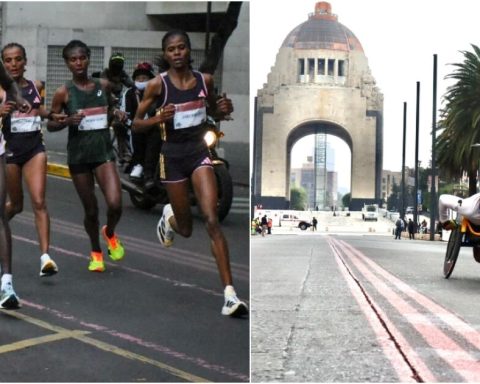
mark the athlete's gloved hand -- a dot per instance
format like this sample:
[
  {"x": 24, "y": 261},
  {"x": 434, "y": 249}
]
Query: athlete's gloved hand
[{"x": 449, "y": 225}]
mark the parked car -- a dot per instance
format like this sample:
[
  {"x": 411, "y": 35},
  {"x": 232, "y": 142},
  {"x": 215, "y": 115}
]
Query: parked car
[{"x": 289, "y": 220}]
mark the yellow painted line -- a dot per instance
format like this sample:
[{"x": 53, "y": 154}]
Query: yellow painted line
[
  {"x": 134, "y": 356},
  {"x": 80, "y": 336},
  {"x": 39, "y": 340},
  {"x": 58, "y": 170}
]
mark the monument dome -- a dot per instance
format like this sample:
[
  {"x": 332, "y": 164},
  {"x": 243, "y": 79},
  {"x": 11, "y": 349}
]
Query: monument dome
[{"x": 322, "y": 31}]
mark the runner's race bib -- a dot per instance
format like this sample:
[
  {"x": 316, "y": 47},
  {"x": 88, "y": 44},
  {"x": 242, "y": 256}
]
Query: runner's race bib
[
  {"x": 190, "y": 114},
  {"x": 22, "y": 124},
  {"x": 95, "y": 119}
]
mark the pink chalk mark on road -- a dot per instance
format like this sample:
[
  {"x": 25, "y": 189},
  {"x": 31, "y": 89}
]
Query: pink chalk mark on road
[{"x": 133, "y": 339}]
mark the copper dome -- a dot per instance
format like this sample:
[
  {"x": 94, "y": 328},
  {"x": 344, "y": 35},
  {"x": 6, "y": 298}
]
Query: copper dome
[{"x": 322, "y": 31}]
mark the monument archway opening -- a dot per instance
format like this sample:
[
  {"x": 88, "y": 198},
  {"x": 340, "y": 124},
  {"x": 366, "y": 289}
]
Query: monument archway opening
[{"x": 319, "y": 158}]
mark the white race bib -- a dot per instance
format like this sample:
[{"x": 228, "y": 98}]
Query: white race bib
[
  {"x": 25, "y": 124},
  {"x": 2, "y": 144},
  {"x": 189, "y": 114},
  {"x": 95, "y": 118}
]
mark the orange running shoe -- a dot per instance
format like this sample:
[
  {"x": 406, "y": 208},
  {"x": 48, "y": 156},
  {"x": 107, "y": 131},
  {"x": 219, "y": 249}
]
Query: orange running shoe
[{"x": 115, "y": 247}]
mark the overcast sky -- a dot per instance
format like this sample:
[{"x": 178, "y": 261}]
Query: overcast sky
[{"x": 399, "y": 39}]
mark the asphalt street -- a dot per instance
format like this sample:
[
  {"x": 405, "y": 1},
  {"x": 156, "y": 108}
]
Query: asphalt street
[
  {"x": 153, "y": 317},
  {"x": 360, "y": 307}
]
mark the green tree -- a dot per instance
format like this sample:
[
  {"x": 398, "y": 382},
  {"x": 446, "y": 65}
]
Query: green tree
[
  {"x": 394, "y": 199},
  {"x": 346, "y": 199},
  {"x": 298, "y": 198},
  {"x": 460, "y": 120}
]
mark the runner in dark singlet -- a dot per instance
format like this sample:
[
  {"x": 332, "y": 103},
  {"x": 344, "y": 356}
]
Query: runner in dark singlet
[
  {"x": 26, "y": 157},
  {"x": 86, "y": 103},
  {"x": 183, "y": 97},
  {"x": 8, "y": 297}
]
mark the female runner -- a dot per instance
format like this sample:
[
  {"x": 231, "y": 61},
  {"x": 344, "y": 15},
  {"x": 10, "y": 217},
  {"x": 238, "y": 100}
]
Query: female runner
[
  {"x": 86, "y": 102},
  {"x": 26, "y": 156},
  {"x": 182, "y": 97}
]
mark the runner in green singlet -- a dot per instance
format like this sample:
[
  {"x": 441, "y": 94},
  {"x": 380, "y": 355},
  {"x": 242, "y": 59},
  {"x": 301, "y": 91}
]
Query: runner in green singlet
[{"x": 86, "y": 104}]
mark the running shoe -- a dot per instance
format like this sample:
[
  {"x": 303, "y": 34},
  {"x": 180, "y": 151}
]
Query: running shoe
[
  {"x": 8, "y": 298},
  {"x": 115, "y": 247},
  {"x": 137, "y": 172},
  {"x": 96, "y": 262},
  {"x": 233, "y": 305},
  {"x": 165, "y": 231},
  {"x": 47, "y": 266}
]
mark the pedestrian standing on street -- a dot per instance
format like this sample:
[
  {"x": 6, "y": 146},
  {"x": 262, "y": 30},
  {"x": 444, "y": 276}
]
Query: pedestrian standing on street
[
  {"x": 264, "y": 224},
  {"x": 314, "y": 224},
  {"x": 183, "y": 98},
  {"x": 26, "y": 157},
  {"x": 86, "y": 105},
  {"x": 411, "y": 229},
  {"x": 398, "y": 228},
  {"x": 269, "y": 225},
  {"x": 8, "y": 297}
]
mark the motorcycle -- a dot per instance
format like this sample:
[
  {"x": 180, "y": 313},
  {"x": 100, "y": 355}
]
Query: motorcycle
[{"x": 146, "y": 199}]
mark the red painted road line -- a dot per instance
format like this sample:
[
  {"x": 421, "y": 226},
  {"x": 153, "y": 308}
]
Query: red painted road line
[
  {"x": 384, "y": 333},
  {"x": 469, "y": 333},
  {"x": 459, "y": 359}
]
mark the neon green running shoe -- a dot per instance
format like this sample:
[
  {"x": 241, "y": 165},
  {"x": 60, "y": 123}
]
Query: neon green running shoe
[
  {"x": 115, "y": 247},
  {"x": 96, "y": 262}
]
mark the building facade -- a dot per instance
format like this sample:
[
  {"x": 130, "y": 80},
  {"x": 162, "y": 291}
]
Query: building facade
[{"x": 135, "y": 29}]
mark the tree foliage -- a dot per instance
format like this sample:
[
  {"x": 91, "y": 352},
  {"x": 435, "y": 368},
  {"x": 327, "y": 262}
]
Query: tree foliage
[
  {"x": 298, "y": 198},
  {"x": 460, "y": 120}
]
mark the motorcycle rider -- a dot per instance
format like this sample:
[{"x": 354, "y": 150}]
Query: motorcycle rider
[
  {"x": 183, "y": 97},
  {"x": 118, "y": 79},
  {"x": 145, "y": 145}
]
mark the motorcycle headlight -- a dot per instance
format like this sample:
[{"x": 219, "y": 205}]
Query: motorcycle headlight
[{"x": 210, "y": 138}]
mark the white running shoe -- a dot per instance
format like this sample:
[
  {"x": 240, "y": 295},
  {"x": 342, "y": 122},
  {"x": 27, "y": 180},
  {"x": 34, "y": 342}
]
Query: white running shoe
[
  {"x": 233, "y": 305},
  {"x": 8, "y": 298},
  {"x": 165, "y": 231},
  {"x": 137, "y": 171},
  {"x": 47, "y": 266}
]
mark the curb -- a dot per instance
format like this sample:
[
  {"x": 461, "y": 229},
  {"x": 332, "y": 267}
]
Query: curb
[{"x": 58, "y": 170}]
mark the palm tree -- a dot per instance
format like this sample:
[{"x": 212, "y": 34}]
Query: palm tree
[{"x": 460, "y": 121}]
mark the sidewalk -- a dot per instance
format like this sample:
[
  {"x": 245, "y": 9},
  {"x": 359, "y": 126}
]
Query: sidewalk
[{"x": 353, "y": 224}]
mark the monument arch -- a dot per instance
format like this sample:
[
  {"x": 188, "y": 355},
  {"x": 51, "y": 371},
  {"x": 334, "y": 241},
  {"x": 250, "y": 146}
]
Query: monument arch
[{"x": 320, "y": 81}]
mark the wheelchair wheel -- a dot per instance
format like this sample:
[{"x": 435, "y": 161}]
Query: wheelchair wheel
[{"x": 453, "y": 249}]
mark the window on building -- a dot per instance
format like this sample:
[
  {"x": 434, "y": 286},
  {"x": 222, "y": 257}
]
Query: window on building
[
  {"x": 341, "y": 67},
  {"x": 301, "y": 67},
  {"x": 58, "y": 73},
  {"x": 331, "y": 67},
  {"x": 136, "y": 55},
  {"x": 321, "y": 67},
  {"x": 311, "y": 68}
]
